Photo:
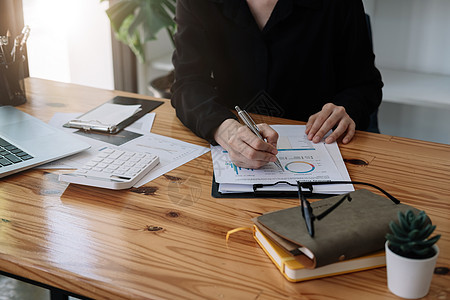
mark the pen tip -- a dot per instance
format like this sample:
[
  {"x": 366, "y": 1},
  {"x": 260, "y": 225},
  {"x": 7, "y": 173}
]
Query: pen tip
[{"x": 278, "y": 164}]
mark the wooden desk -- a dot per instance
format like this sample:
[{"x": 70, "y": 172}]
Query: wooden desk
[{"x": 96, "y": 243}]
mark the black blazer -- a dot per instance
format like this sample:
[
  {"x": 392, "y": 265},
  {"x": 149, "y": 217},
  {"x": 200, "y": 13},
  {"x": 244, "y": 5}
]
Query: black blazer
[{"x": 310, "y": 52}]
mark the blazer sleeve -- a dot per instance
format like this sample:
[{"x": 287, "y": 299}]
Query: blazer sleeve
[
  {"x": 359, "y": 81},
  {"x": 194, "y": 95}
]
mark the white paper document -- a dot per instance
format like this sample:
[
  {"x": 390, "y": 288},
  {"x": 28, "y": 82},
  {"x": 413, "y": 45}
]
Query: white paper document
[{"x": 301, "y": 159}]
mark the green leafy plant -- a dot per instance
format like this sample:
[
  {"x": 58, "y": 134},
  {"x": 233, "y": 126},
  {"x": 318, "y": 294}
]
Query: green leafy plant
[
  {"x": 410, "y": 236},
  {"x": 136, "y": 22}
]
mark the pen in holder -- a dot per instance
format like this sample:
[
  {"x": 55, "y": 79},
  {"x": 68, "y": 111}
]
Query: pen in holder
[{"x": 12, "y": 58}]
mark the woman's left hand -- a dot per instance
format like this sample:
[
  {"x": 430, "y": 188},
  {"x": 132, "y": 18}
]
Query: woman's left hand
[{"x": 331, "y": 116}]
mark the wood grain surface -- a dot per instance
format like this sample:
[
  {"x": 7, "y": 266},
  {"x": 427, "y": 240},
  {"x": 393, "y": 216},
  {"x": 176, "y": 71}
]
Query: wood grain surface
[{"x": 166, "y": 240}]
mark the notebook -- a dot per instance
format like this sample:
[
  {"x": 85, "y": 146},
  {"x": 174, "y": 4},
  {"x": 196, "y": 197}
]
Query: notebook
[
  {"x": 26, "y": 142},
  {"x": 295, "y": 271},
  {"x": 356, "y": 227}
]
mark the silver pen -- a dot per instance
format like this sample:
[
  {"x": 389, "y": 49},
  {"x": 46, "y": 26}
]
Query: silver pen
[
  {"x": 91, "y": 125},
  {"x": 248, "y": 121}
]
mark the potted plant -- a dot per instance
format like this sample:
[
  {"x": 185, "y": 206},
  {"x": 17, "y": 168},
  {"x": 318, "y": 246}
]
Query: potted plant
[
  {"x": 136, "y": 22},
  {"x": 411, "y": 255}
]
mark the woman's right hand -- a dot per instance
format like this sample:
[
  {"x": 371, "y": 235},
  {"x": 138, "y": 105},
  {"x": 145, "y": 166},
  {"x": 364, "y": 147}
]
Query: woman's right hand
[{"x": 245, "y": 149}]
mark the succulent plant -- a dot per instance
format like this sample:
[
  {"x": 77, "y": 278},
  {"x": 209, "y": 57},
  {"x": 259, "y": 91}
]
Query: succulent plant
[{"x": 410, "y": 236}]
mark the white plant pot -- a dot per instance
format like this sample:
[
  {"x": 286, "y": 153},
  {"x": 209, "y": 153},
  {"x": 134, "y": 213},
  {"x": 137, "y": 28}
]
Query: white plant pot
[{"x": 408, "y": 277}]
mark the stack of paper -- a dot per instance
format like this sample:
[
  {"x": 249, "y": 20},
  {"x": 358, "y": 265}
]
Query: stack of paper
[{"x": 301, "y": 159}]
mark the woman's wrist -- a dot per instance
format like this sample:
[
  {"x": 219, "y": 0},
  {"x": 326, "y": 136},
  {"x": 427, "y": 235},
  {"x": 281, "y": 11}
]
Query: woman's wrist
[{"x": 225, "y": 131}]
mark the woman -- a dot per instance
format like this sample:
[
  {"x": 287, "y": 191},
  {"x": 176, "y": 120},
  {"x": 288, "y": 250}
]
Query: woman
[{"x": 309, "y": 60}]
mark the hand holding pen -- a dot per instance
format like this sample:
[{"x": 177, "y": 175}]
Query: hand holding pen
[{"x": 248, "y": 121}]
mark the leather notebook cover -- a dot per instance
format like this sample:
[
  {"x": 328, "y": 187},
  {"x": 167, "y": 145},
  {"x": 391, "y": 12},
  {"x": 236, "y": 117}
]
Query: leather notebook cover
[{"x": 353, "y": 229}]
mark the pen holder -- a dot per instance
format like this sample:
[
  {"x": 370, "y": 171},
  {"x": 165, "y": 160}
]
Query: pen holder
[{"x": 12, "y": 86}]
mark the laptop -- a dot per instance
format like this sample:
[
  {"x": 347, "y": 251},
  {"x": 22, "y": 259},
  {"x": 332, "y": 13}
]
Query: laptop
[{"x": 26, "y": 142}]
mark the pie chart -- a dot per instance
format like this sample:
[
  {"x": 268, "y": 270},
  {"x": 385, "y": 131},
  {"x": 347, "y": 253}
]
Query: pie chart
[{"x": 299, "y": 167}]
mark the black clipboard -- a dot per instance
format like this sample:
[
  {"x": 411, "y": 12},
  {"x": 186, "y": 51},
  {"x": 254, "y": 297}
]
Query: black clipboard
[
  {"x": 263, "y": 194},
  {"x": 146, "y": 107},
  {"x": 266, "y": 194}
]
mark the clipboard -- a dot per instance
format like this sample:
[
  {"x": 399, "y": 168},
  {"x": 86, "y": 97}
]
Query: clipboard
[
  {"x": 262, "y": 194},
  {"x": 146, "y": 106}
]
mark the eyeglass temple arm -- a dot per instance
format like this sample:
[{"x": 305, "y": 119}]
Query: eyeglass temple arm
[
  {"x": 306, "y": 209},
  {"x": 300, "y": 185},
  {"x": 322, "y": 215},
  {"x": 308, "y": 185},
  {"x": 393, "y": 199}
]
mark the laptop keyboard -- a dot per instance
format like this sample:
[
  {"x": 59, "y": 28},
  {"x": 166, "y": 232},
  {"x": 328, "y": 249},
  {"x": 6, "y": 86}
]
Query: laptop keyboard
[{"x": 10, "y": 154}]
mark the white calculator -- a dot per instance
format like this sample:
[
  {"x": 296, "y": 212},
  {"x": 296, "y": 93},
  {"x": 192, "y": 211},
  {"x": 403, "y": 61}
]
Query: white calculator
[{"x": 113, "y": 169}]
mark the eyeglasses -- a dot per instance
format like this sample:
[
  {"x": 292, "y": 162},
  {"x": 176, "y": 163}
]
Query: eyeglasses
[{"x": 307, "y": 211}]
